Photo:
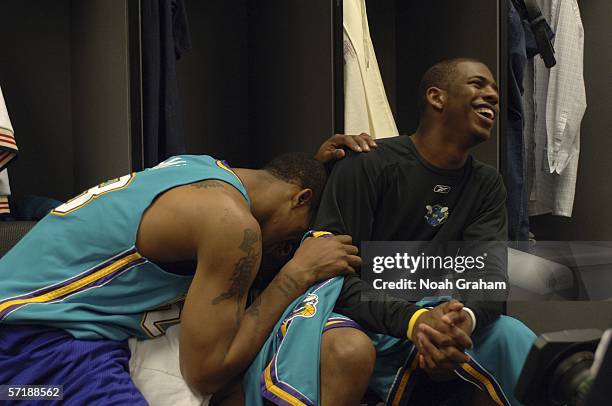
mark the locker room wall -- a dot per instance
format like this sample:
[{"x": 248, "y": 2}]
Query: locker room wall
[
  {"x": 35, "y": 78},
  {"x": 213, "y": 80},
  {"x": 410, "y": 36},
  {"x": 63, "y": 70},
  {"x": 292, "y": 84},
  {"x": 259, "y": 79},
  {"x": 100, "y": 91}
]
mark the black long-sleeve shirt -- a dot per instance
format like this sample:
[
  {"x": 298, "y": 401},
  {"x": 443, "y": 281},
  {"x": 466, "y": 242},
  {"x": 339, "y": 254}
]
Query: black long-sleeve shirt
[{"x": 382, "y": 196}]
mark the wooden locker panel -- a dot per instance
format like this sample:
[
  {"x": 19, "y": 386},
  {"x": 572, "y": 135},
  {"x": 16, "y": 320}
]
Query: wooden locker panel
[
  {"x": 63, "y": 70},
  {"x": 291, "y": 65},
  {"x": 35, "y": 76},
  {"x": 214, "y": 80},
  {"x": 259, "y": 78},
  {"x": 100, "y": 91}
]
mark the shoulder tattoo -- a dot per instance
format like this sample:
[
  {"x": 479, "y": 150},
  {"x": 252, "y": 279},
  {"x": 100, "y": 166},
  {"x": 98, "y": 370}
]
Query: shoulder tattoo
[{"x": 208, "y": 184}]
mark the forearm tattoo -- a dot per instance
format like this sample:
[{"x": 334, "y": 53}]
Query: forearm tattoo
[
  {"x": 253, "y": 309},
  {"x": 240, "y": 281},
  {"x": 286, "y": 284}
]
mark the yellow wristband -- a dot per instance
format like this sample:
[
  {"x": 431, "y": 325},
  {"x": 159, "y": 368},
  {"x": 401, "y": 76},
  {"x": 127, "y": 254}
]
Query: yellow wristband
[{"x": 413, "y": 320}]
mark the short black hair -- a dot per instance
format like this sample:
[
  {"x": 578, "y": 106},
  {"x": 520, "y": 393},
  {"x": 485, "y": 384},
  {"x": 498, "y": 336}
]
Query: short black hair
[
  {"x": 441, "y": 75},
  {"x": 302, "y": 170}
]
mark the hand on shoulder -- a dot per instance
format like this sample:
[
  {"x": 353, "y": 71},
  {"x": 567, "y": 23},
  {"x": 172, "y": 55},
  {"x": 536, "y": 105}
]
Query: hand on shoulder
[{"x": 332, "y": 148}]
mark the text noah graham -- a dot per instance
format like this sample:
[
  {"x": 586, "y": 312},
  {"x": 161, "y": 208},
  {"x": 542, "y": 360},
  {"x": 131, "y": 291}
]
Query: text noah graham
[{"x": 445, "y": 284}]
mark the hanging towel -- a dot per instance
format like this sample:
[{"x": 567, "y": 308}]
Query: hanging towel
[
  {"x": 8, "y": 151},
  {"x": 555, "y": 102},
  {"x": 366, "y": 107}
]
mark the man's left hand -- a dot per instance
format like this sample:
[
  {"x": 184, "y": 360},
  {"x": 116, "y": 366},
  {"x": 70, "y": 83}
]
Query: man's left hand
[{"x": 331, "y": 149}]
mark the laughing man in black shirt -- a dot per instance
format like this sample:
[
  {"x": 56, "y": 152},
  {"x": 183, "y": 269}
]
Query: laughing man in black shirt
[{"x": 388, "y": 195}]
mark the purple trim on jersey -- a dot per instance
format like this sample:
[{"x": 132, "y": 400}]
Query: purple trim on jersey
[
  {"x": 96, "y": 283},
  {"x": 119, "y": 271}
]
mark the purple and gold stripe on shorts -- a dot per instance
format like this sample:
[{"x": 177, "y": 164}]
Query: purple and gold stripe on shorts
[
  {"x": 336, "y": 322},
  {"x": 92, "y": 278},
  {"x": 403, "y": 382},
  {"x": 279, "y": 392},
  {"x": 472, "y": 371}
]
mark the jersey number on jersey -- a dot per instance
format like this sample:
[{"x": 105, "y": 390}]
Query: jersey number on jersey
[
  {"x": 155, "y": 322},
  {"x": 93, "y": 193}
]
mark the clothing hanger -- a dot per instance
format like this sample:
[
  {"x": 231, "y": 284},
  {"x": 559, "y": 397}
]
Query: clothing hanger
[{"x": 530, "y": 11}]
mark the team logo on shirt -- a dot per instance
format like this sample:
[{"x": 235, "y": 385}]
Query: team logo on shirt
[
  {"x": 441, "y": 189},
  {"x": 436, "y": 215},
  {"x": 174, "y": 161}
]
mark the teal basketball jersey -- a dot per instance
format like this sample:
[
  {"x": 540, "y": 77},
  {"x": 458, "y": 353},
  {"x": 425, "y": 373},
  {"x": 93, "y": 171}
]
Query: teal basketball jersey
[{"x": 79, "y": 269}]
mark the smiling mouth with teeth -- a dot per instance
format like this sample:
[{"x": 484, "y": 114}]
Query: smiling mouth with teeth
[{"x": 486, "y": 113}]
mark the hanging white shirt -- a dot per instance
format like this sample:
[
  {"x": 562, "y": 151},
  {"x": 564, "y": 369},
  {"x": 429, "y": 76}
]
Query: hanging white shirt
[
  {"x": 555, "y": 102},
  {"x": 366, "y": 107}
]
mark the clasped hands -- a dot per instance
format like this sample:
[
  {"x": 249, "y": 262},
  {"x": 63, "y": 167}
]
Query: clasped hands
[{"x": 441, "y": 336}]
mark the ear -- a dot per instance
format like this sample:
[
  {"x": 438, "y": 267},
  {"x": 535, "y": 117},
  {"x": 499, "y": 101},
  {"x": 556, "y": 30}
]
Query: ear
[
  {"x": 436, "y": 97},
  {"x": 304, "y": 197}
]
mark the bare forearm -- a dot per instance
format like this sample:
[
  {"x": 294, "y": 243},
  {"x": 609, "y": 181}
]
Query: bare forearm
[
  {"x": 259, "y": 319},
  {"x": 254, "y": 328},
  {"x": 213, "y": 356}
]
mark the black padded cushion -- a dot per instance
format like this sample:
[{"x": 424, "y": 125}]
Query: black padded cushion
[{"x": 11, "y": 232}]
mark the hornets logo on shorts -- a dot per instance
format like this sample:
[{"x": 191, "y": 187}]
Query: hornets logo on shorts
[
  {"x": 307, "y": 308},
  {"x": 436, "y": 215}
]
